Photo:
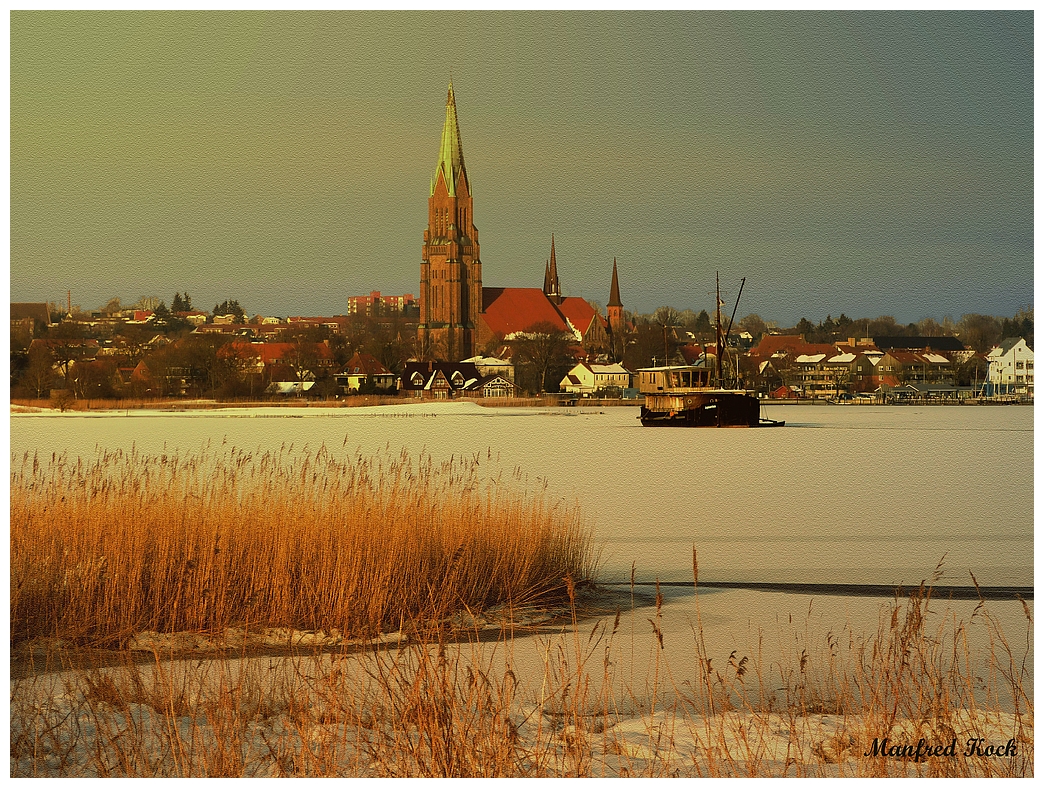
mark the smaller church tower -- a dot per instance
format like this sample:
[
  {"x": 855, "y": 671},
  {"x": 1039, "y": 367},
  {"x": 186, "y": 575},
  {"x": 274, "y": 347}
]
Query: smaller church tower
[
  {"x": 614, "y": 311},
  {"x": 552, "y": 289}
]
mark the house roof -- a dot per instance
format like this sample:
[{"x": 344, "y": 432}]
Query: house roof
[
  {"x": 906, "y": 356},
  {"x": 429, "y": 370},
  {"x": 1006, "y": 345},
  {"x": 272, "y": 352},
  {"x": 364, "y": 364},
  {"x": 771, "y": 344},
  {"x": 578, "y": 312},
  {"x": 509, "y": 310}
]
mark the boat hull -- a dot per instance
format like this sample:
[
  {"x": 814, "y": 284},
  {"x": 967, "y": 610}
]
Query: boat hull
[{"x": 704, "y": 409}]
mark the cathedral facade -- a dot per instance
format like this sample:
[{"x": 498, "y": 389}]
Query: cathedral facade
[{"x": 459, "y": 317}]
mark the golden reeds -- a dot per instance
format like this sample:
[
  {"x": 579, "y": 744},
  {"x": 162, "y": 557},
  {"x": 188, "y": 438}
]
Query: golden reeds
[
  {"x": 304, "y": 538},
  {"x": 310, "y": 539}
]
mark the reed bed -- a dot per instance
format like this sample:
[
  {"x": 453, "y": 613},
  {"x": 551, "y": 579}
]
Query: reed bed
[
  {"x": 316, "y": 540},
  {"x": 299, "y": 538}
]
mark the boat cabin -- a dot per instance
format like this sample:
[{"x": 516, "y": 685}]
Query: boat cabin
[{"x": 657, "y": 380}]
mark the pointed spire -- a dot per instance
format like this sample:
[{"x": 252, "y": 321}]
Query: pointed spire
[
  {"x": 451, "y": 154},
  {"x": 552, "y": 288},
  {"x": 614, "y": 289},
  {"x": 547, "y": 277}
]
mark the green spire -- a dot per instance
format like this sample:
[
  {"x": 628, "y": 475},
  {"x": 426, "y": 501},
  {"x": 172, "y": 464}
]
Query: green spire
[{"x": 451, "y": 155}]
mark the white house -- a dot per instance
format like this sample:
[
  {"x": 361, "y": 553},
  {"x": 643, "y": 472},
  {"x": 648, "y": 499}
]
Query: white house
[
  {"x": 1011, "y": 367},
  {"x": 587, "y": 378}
]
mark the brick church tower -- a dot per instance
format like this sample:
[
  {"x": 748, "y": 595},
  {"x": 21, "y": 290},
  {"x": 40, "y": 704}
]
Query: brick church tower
[{"x": 451, "y": 271}]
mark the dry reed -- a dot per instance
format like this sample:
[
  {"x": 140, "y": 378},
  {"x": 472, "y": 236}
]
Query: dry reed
[
  {"x": 461, "y": 710},
  {"x": 309, "y": 540},
  {"x": 305, "y": 539}
]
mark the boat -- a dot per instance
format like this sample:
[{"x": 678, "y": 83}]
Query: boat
[{"x": 700, "y": 395}]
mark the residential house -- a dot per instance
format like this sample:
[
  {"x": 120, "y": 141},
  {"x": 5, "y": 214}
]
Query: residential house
[
  {"x": 900, "y": 367},
  {"x": 1011, "y": 368},
  {"x": 587, "y": 379},
  {"x": 362, "y": 370},
  {"x": 440, "y": 380}
]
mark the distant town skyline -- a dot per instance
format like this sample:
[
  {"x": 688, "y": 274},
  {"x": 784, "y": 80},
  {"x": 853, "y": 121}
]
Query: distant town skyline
[{"x": 860, "y": 162}]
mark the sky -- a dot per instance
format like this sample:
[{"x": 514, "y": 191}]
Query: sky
[{"x": 868, "y": 163}]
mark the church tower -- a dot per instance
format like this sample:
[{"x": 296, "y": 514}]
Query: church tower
[
  {"x": 552, "y": 289},
  {"x": 614, "y": 311},
  {"x": 451, "y": 271}
]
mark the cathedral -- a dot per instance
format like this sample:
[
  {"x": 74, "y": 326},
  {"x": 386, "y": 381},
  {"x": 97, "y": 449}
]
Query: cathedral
[{"x": 459, "y": 317}]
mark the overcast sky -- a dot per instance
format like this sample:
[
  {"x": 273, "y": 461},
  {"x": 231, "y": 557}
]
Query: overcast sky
[{"x": 865, "y": 163}]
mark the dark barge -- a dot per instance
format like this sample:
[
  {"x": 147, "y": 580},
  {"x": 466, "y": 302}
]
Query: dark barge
[
  {"x": 680, "y": 397},
  {"x": 699, "y": 395}
]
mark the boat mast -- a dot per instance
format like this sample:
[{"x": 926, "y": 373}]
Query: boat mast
[{"x": 720, "y": 344}]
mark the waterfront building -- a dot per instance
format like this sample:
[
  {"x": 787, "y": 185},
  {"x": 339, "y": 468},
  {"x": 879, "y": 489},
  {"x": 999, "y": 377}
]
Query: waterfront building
[{"x": 1011, "y": 368}]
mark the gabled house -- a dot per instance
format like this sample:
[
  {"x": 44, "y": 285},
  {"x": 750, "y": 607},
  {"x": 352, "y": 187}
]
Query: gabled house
[
  {"x": 362, "y": 370},
  {"x": 1011, "y": 368},
  {"x": 440, "y": 380},
  {"x": 587, "y": 379}
]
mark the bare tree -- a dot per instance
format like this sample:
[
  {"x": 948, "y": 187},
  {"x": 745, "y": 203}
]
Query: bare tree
[
  {"x": 544, "y": 350},
  {"x": 667, "y": 318}
]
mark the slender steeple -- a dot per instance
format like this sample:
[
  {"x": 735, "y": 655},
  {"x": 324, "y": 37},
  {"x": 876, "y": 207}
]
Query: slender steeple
[
  {"x": 615, "y": 312},
  {"x": 451, "y": 154},
  {"x": 552, "y": 289},
  {"x": 614, "y": 289}
]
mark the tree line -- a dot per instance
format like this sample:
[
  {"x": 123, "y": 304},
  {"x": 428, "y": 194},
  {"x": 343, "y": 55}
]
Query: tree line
[{"x": 542, "y": 356}]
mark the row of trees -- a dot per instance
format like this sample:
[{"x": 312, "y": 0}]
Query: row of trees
[{"x": 542, "y": 357}]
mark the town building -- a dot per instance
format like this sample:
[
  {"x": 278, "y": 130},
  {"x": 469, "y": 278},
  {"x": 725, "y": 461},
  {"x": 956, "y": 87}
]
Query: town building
[
  {"x": 1011, "y": 368},
  {"x": 364, "y": 370},
  {"x": 377, "y": 305},
  {"x": 458, "y": 315},
  {"x": 30, "y": 317},
  {"x": 587, "y": 379}
]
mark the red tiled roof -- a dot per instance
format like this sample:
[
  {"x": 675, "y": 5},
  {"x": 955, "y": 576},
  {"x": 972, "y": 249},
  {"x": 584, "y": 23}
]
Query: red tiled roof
[
  {"x": 580, "y": 313},
  {"x": 774, "y": 343},
  {"x": 364, "y": 364},
  {"x": 906, "y": 356},
  {"x": 272, "y": 352},
  {"x": 512, "y": 309},
  {"x": 771, "y": 344}
]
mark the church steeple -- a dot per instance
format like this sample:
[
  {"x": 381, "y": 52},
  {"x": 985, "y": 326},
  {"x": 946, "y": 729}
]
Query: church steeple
[
  {"x": 614, "y": 289},
  {"x": 451, "y": 270},
  {"x": 614, "y": 311},
  {"x": 552, "y": 289},
  {"x": 451, "y": 154}
]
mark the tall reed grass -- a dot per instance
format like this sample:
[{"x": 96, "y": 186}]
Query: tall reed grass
[{"x": 300, "y": 538}]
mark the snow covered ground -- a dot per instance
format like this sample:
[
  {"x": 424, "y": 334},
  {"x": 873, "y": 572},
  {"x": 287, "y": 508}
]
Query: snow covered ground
[{"x": 608, "y": 696}]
